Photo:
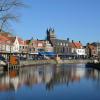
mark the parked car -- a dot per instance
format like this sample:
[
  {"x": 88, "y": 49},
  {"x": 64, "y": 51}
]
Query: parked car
[
  {"x": 22, "y": 58},
  {"x": 2, "y": 58}
]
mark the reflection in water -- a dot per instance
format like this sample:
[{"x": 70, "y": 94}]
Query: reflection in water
[{"x": 50, "y": 75}]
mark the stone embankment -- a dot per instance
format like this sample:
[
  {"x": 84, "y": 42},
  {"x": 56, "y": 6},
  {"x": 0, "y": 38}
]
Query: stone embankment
[
  {"x": 74, "y": 61},
  {"x": 39, "y": 62},
  {"x": 36, "y": 62}
]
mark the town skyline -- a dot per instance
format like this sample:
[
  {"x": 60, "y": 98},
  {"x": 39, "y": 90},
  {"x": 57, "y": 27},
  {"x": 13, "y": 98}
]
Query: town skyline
[
  {"x": 49, "y": 49},
  {"x": 74, "y": 19}
]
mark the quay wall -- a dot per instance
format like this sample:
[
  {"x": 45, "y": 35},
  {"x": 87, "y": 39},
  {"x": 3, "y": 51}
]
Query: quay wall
[
  {"x": 75, "y": 61},
  {"x": 36, "y": 62},
  {"x": 39, "y": 62}
]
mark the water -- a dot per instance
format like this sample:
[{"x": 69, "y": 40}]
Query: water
[{"x": 51, "y": 82}]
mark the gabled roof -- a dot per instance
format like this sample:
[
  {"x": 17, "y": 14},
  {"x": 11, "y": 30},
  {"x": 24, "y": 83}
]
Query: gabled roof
[
  {"x": 76, "y": 45},
  {"x": 3, "y": 39},
  {"x": 95, "y": 43},
  {"x": 34, "y": 41},
  {"x": 71, "y": 45},
  {"x": 21, "y": 41},
  {"x": 6, "y": 34},
  {"x": 11, "y": 39},
  {"x": 27, "y": 42},
  {"x": 92, "y": 47}
]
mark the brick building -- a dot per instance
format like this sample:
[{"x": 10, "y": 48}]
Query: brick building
[
  {"x": 91, "y": 50},
  {"x": 61, "y": 47}
]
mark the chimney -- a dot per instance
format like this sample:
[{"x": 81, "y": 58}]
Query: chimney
[
  {"x": 67, "y": 39},
  {"x": 88, "y": 43},
  {"x": 72, "y": 41}
]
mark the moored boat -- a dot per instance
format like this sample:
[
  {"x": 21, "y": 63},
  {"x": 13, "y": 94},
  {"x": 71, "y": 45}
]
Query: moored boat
[{"x": 93, "y": 65}]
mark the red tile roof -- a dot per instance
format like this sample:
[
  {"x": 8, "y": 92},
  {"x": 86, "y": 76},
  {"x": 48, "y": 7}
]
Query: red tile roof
[
  {"x": 75, "y": 45},
  {"x": 6, "y": 34},
  {"x": 21, "y": 41},
  {"x": 11, "y": 39},
  {"x": 27, "y": 42},
  {"x": 71, "y": 45},
  {"x": 3, "y": 39}
]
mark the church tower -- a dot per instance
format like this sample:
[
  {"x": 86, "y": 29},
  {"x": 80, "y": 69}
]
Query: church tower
[{"x": 51, "y": 34}]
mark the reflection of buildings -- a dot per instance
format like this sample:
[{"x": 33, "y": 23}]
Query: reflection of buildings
[
  {"x": 93, "y": 73},
  {"x": 63, "y": 75},
  {"x": 50, "y": 75},
  {"x": 34, "y": 75},
  {"x": 70, "y": 74}
]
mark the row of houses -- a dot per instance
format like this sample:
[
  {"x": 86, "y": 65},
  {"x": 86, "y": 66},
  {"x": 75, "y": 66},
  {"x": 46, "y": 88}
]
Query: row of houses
[
  {"x": 64, "y": 48},
  {"x": 14, "y": 44},
  {"x": 93, "y": 49},
  {"x": 73, "y": 48}
]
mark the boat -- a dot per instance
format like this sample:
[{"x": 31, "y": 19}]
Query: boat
[{"x": 93, "y": 65}]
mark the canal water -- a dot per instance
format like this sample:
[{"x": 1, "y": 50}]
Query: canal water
[{"x": 51, "y": 82}]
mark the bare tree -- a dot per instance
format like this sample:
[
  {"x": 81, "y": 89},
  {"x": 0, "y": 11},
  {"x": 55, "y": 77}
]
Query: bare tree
[
  {"x": 4, "y": 20},
  {"x": 7, "y": 7}
]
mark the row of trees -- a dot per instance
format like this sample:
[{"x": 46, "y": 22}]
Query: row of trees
[{"x": 8, "y": 12}]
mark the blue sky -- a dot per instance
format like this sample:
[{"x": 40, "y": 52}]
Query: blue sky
[{"x": 76, "y": 19}]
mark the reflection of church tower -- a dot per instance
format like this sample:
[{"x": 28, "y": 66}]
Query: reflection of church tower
[{"x": 51, "y": 35}]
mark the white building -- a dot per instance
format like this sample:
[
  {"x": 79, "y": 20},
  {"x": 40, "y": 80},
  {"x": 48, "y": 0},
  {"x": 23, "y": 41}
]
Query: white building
[
  {"x": 4, "y": 44},
  {"x": 15, "y": 45},
  {"x": 18, "y": 45},
  {"x": 48, "y": 47},
  {"x": 78, "y": 49}
]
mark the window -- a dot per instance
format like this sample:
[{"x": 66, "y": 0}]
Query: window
[
  {"x": 66, "y": 44},
  {"x": 79, "y": 51},
  {"x": 40, "y": 44},
  {"x": 32, "y": 44},
  {"x": 63, "y": 44}
]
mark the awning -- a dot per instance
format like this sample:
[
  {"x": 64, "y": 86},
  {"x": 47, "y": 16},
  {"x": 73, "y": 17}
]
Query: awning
[
  {"x": 2, "y": 58},
  {"x": 47, "y": 53},
  {"x": 35, "y": 53}
]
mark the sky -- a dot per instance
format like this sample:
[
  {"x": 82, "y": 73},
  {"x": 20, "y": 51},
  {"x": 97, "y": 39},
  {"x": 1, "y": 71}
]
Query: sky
[{"x": 77, "y": 20}]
